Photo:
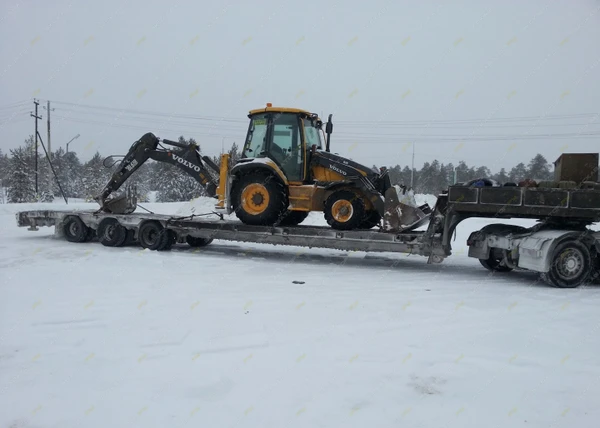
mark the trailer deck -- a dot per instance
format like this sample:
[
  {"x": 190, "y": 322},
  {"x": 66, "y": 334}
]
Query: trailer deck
[{"x": 561, "y": 246}]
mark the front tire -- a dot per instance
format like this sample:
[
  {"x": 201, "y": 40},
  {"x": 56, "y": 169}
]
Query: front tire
[
  {"x": 344, "y": 210},
  {"x": 259, "y": 199},
  {"x": 571, "y": 265},
  {"x": 371, "y": 220}
]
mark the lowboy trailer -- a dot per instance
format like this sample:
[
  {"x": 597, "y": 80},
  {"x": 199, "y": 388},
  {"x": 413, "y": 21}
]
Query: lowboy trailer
[{"x": 561, "y": 246}]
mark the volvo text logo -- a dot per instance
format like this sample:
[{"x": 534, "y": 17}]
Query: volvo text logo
[{"x": 186, "y": 163}]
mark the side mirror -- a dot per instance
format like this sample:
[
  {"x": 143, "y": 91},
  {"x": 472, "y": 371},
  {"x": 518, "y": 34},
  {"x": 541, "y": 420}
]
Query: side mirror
[{"x": 329, "y": 126}]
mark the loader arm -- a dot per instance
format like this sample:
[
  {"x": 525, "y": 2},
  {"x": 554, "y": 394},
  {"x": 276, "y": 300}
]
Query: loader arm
[{"x": 185, "y": 156}]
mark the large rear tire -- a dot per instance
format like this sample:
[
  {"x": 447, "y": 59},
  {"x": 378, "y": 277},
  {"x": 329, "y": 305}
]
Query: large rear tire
[
  {"x": 259, "y": 199},
  {"x": 293, "y": 218},
  {"x": 111, "y": 233},
  {"x": 344, "y": 210}
]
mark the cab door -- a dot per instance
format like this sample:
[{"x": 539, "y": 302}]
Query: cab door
[{"x": 286, "y": 145}]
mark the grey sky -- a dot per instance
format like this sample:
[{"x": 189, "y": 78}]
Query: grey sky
[{"x": 375, "y": 63}]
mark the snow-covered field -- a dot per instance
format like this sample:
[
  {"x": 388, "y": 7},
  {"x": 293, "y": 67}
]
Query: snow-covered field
[{"x": 222, "y": 337}]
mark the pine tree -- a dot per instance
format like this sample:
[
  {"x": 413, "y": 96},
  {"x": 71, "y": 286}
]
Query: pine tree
[
  {"x": 21, "y": 177},
  {"x": 539, "y": 168},
  {"x": 501, "y": 177},
  {"x": 95, "y": 176},
  {"x": 518, "y": 173}
]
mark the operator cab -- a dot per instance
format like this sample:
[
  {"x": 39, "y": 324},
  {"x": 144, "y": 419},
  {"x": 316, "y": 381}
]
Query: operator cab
[{"x": 285, "y": 136}]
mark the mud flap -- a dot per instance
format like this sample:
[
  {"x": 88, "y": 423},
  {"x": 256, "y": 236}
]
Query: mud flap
[
  {"x": 402, "y": 217},
  {"x": 125, "y": 203}
]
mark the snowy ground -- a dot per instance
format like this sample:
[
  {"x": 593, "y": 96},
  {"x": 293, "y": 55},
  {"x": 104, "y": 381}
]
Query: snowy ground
[{"x": 221, "y": 337}]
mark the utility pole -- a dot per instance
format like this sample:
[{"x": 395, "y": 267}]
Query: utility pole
[
  {"x": 49, "y": 145},
  {"x": 412, "y": 170},
  {"x": 36, "y": 117}
]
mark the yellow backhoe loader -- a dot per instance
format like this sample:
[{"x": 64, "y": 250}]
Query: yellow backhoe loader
[{"x": 286, "y": 170}]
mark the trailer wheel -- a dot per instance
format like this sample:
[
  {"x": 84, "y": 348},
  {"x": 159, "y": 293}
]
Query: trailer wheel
[
  {"x": 154, "y": 236},
  {"x": 75, "y": 230},
  {"x": 111, "y": 233},
  {"x": 197, "y": 242},
  {"x": 571, "y": 265}
]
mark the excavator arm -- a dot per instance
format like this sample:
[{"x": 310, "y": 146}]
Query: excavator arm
[{"x": 184, "y": 156}]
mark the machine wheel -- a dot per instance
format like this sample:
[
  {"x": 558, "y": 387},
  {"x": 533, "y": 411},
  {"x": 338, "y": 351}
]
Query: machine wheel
[
  {"x": 571, "y": 265},
  {"x": 154, "y": 236},
  {"x": 111, "y": 233},
  {"x": 293, "y": 218},
  {"x": 197, "y": 242},
  {"x": 344, "y": 210},
  {"x": 259, "y": 199},
  {"x": 371, "y": 220},
  {"x": 493, "y": 264},
  {"x": 75, "y": 230}
]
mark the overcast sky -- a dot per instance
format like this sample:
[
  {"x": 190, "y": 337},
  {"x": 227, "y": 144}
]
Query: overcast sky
[{"x": 459, "y": 80}]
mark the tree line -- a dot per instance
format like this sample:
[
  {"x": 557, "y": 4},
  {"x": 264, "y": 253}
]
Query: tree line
[{"x": 85, "y": 180}]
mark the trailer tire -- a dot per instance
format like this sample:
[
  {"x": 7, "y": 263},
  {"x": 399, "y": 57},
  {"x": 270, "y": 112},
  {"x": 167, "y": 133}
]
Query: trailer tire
[
  {"x": 111, "y": 233},
  {"x": 571, "y": 265},
  {"x": 169, "y": 241},
  {"x": 196, "y": 242},
  {"x": 75, "y": 229},
  {"x": 153, "y": 236}
]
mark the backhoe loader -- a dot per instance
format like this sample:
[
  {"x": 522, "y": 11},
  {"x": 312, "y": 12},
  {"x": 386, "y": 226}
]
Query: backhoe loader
[{"x": 283, "y": 174}]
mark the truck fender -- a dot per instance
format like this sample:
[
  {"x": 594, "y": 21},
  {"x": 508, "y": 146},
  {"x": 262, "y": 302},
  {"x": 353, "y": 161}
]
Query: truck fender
[
  {"x": 536, "y": 251},
  {"x": 244, "y": 166}
]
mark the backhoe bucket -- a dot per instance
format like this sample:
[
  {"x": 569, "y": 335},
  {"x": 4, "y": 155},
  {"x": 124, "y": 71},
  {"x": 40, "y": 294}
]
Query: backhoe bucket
[
  {"x": 126, "y": 203},
  {"x": 403, "y": 215}
]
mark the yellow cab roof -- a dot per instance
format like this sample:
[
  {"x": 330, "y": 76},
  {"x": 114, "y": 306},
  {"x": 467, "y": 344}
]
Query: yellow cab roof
[{"x": 278, "y": 110}]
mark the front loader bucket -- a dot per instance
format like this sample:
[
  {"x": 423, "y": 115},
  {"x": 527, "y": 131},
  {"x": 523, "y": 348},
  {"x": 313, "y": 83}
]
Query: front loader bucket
[
  {"x": 403, "y": 216},
  {"x": 126, "y": 203}
]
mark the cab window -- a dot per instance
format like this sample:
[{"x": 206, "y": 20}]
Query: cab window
[
  {"x": 312, "y": 134},
  {"x": 257, "y": 137}
]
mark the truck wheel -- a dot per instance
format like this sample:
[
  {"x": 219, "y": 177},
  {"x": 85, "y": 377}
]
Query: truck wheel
[
  {"x": 195, "y": 242},
  {"x": 571, "y": 265},
  {"x": 259, "y": 199},
  {"x": 293, "y": 218},
  {"x": 344, "y": 210},
  {"x": 154, "y": 236},
  {"x": 493, "y": 264},
  {"x": 371, "y": 220},
  {"x": 111, "y": 233},
  {"x": 75, "y": 230}
]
